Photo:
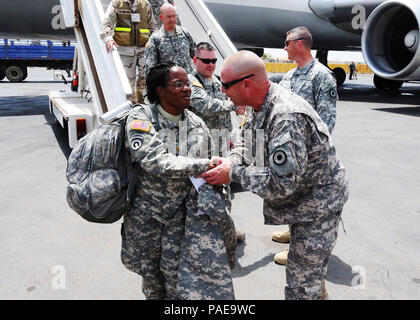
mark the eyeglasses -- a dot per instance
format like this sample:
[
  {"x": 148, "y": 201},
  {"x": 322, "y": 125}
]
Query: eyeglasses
[
  {"x": 286, "y": 43},
  {"x": 207, "y": 61},
  {"x": 227, "y": 85},
  {"x": 180, "y": 84}
]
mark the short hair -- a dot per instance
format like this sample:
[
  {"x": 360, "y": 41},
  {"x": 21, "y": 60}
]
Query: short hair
[
  {"x": 203, "y": 46},
  {"x": 304, "y": 33},
  {"x": 166, "y": 5},
  {"x": 158, "y": 77}
]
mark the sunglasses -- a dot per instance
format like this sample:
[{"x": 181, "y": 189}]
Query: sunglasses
[
  {"x": 207, "y": 61},
  {"x": 227, "y": 85},
  {"x": 286, "y": 43}
]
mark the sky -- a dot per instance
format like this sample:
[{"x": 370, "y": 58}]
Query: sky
[{"x": 333, "y": 56}]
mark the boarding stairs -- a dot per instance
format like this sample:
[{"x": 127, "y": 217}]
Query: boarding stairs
[{"x": 102, "y": 74}]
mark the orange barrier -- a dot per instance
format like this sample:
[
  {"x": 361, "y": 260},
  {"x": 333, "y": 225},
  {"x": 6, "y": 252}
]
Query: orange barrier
[{"x": 283, "y": 67}]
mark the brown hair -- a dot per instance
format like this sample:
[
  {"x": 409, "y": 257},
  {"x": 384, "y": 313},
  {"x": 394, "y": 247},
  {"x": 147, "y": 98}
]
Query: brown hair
[{"x": 303, "y": 34}]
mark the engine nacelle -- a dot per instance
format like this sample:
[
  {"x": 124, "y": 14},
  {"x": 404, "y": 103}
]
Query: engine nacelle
[{"x": 390, "y": 40}]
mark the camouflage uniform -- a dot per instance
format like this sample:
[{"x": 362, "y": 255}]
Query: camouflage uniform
[
  {"x": 208, "y": 248},
  {"x": 153, "y": 229},
  {"x": 316, "y": 84},
  {"x": 164, "y": 47},
  {"x": 132, "y": 57},
  {"x": 302, "y": 183},
  {"x": 209, "y": 102}
]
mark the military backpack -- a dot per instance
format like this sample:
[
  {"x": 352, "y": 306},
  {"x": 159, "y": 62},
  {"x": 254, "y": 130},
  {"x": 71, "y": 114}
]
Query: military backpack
[{"x": 100, "y": 173}]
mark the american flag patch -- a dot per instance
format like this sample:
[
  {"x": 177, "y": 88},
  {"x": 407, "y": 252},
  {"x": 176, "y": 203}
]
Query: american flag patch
[{"x": 141, "y": 125}]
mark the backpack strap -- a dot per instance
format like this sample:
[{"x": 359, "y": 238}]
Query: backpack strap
[
  {"x": 152, "y": 114},
  {"x": 190, "y": 40},
  {"x": 156, "y": 41},
  {"x": 197, "y": 76}
]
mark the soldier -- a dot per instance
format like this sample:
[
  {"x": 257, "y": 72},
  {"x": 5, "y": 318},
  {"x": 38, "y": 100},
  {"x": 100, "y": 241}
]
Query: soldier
[
  {"x": 127, "y": 25},
  {"x": 310, "y": 79},
  {"x": 210, "y": 103},
  {"x": 153, "y": 230},
  {"x": 300, "y": 178},
  {"x": 156, "y": 4},
  {"x": 316, "y": 84},
  {"x": 170, "y": 43},
  {"x": 207, "y": 99}
]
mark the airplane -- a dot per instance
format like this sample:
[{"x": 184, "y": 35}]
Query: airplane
[{"x": 387, "y": 31}]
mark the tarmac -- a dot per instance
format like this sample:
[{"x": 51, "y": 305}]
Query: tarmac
[{"x": 49, "y": 252}]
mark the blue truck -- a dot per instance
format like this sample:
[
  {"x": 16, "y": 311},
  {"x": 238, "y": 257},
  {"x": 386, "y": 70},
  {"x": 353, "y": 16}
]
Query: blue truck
[{"x": 17, "y": 55}]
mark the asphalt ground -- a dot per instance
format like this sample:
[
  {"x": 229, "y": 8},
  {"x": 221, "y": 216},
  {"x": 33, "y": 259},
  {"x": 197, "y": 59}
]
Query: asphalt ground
[{"x": 49, "y": 252}]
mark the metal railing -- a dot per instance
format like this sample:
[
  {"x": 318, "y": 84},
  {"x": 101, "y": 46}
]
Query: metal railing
[
  {"x": 200, "y": 22},
  {"x": 105, "y": 72}
]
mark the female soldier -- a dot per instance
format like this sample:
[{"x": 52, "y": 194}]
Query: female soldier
[{"x": 159, "y": 138}]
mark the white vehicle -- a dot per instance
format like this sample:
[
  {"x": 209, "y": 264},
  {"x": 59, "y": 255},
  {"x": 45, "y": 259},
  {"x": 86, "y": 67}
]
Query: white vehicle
[{"x": 97, "y": 91}]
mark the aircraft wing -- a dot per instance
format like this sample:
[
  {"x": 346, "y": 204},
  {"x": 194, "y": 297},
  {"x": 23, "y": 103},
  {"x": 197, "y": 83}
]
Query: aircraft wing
[{"x": 387, "y": 31}]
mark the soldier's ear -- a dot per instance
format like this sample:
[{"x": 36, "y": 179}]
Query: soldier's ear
[{"x": 160, "y": 91}]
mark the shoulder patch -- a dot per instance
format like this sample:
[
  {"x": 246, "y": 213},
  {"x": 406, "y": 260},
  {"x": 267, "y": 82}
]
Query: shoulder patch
[
  {"x": 136, "y": 144},
  {"x": 282, "y": 159},
  {"x": 141, "y": 125},
  {"x": 196, "y": 83},
  {"x": 333, "y": 93}
]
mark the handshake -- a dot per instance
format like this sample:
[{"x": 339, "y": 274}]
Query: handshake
[
  {"x": 240, "y": 110},
  {"x": 219, "y": 171}
]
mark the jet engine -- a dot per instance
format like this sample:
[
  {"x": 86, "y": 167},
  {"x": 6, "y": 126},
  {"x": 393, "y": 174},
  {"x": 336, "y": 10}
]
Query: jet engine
[{"x": 390, "y": 40}]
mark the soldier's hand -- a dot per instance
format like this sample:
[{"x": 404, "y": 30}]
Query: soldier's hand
[
  {"x": 110, "y": 44},
  {"x": 219, "y": 174},
  {"x": 240, "y": 110},
  {"x": 215, "y": 161}
]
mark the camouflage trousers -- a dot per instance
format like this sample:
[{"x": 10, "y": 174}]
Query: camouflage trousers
[
  {"x": 311, "y": 244},
  {"x": 134, "y": 67},
  {"x": 208, "y": 249},
  {"x": 152, "y": 249}
]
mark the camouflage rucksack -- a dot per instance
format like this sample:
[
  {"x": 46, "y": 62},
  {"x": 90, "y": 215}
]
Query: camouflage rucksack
[{"x": 100, "y": 173}]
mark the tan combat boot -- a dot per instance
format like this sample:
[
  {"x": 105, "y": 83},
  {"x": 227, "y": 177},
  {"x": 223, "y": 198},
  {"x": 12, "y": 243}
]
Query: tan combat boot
[
  {"x": 323, "y": 295},
  {"x": 281, "y": 236},
  {"x": 281, "y": 257}
]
